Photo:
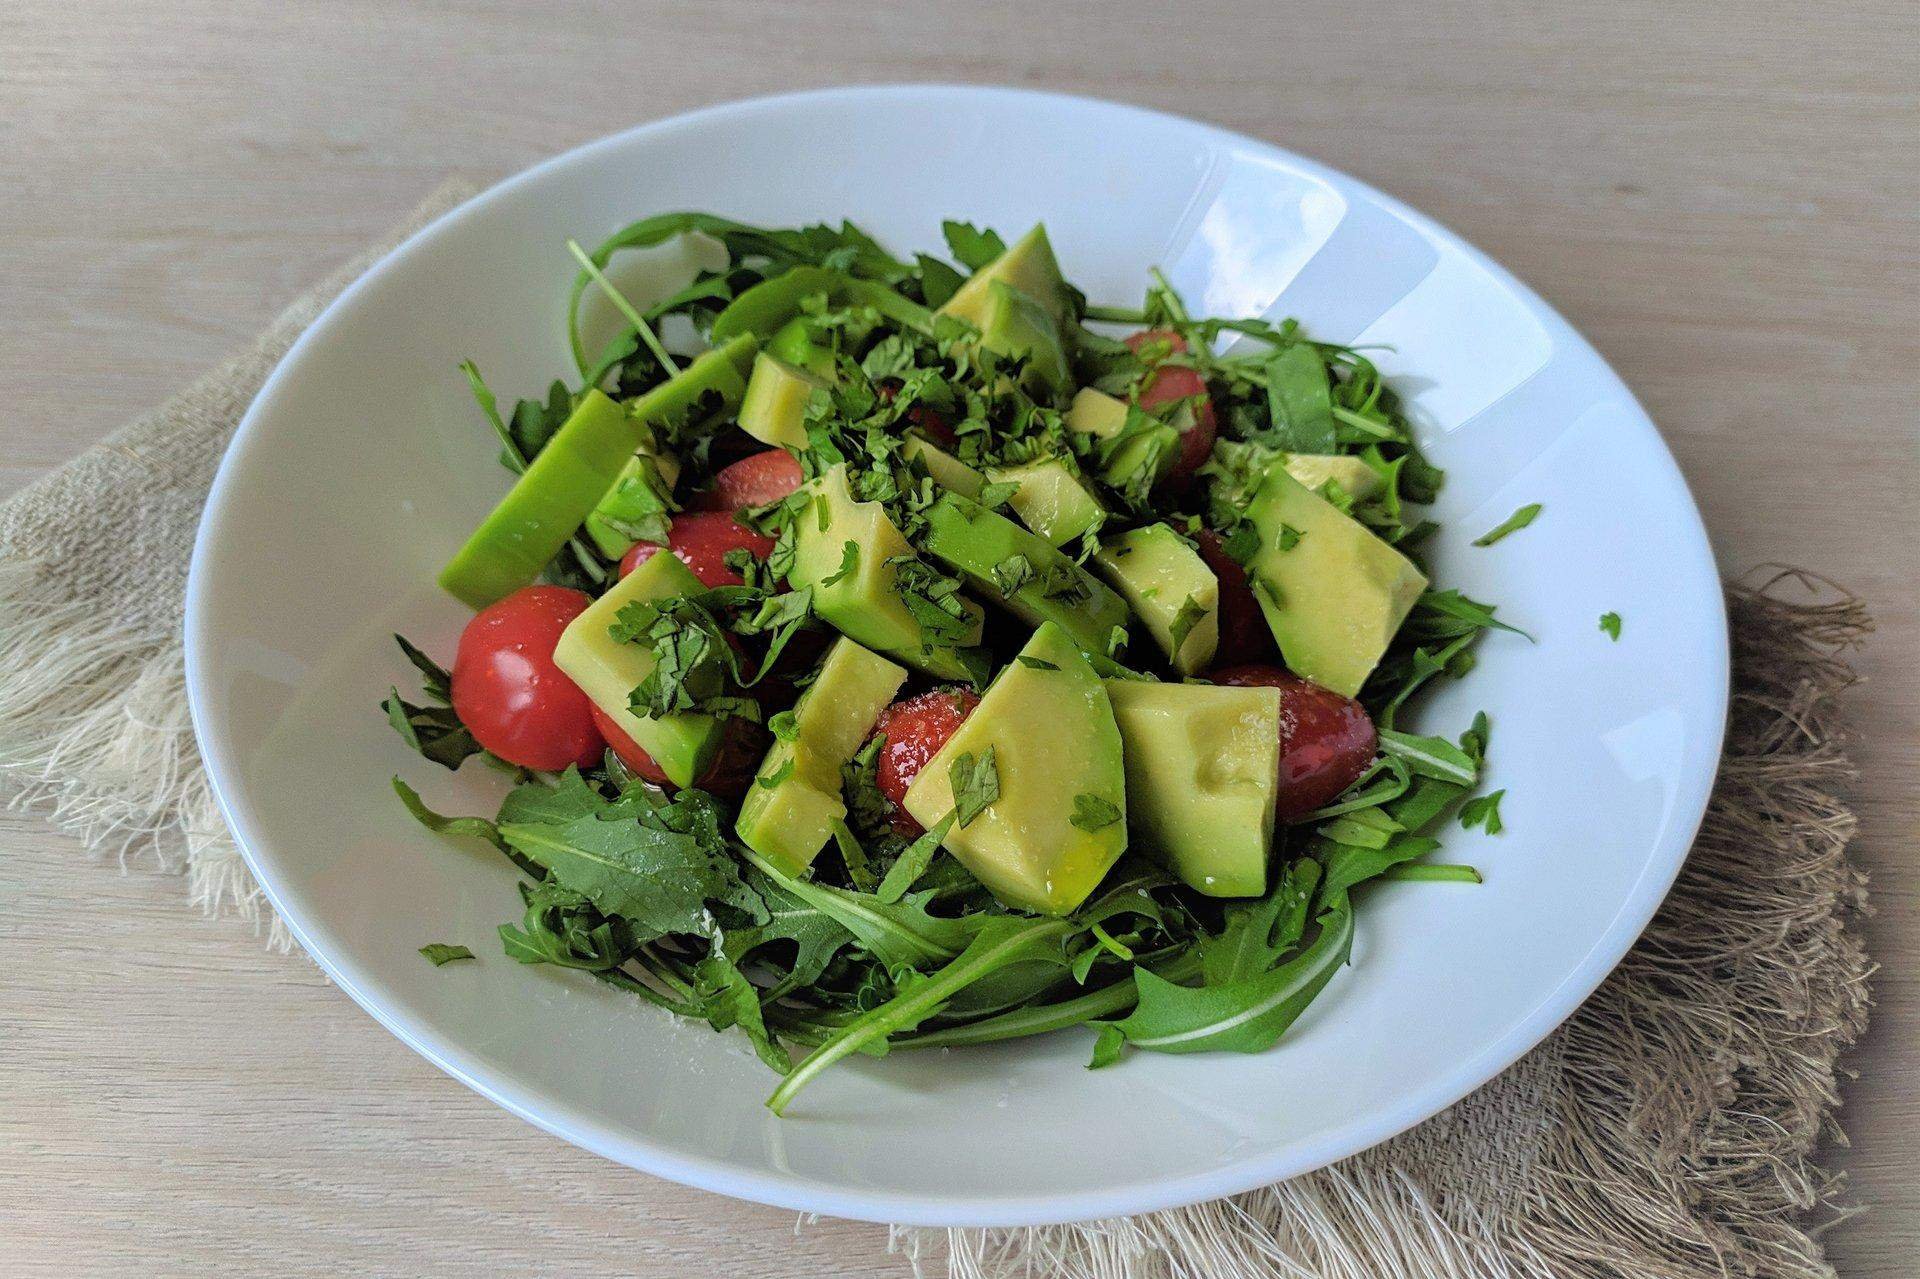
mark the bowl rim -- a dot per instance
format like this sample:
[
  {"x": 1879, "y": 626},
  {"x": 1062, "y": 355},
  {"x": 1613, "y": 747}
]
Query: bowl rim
[{"x": 798, "y": 1193}]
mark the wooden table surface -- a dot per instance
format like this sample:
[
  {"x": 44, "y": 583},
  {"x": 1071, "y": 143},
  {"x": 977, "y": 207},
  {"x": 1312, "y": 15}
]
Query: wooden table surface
[{"x": 1724, "y": 198}]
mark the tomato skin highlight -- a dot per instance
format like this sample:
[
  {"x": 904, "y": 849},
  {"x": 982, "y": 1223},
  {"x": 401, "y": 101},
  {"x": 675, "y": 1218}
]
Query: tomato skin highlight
[
  {"x": 742, "y": 743},
  {"x": 916, "y": 728},
  {"x": 1326, "y": 740},
  {"x": 1244, "y": 634},
  {"x": 755, "y": 480},
  {"x": 701, "y": 540},
  {"x": 508, "y": 692}
]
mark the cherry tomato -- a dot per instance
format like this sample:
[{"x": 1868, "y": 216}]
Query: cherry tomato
[
  {"x": 701, "y": 540},
  {"x": 754, "y": 480},
  {"x": 508, "y": 692},
  {"x": 915, "y": 728},
  {"x": 1173, "y": 382},
  {"x": 1326, "y": 740},
  {"x": 742, "y": 744},
  {"x": 1244, "y": 635},
  {"x": 1175, "y": 344}
]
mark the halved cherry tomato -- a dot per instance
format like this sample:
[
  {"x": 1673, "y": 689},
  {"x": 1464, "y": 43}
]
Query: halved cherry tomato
[
  {"x": 701, "y": 540},
  {"x": 1175, "y": 344},
  {"x": 1173, "y": 382},
  {"x": 915, "y": 728},
  {"x": 754, "y": 480},
  {"x": 1244, "y": 635},
  {"x": 1326, "y": 740},
  {"x": 508, "y": 692},
  {"x": 742, "y": 743}
]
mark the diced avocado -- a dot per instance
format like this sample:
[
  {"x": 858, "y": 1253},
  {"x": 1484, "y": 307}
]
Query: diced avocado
[
  {"x": 788, "y": 813},
  {"x": 639, "y": 503},
  {"x": 1029, "y": 266},
  {"x": 1139, "y": 449},
  {"x": 608, "y": 671},
  {"x": 1020, "y": 327},
  {"x": 1333, "y": 593},
  {"x": 865, "y": 603},
  {"x": 1050, "y": 499},
  {"x": 1033, "y": 579},
  {"x": 946, "y": 470},
  {"x": 1171, "y": 589},
  {"x": 546, "y": 504},
  {"x": 793, "y": 342},
  {"x": 765, "y": 307},
  {"x": 775, "y": 408},
  {"x": 1358, "y": 480},
  {"x": 1202, "y": 766},
  {"x": 1060, "y": 821}
]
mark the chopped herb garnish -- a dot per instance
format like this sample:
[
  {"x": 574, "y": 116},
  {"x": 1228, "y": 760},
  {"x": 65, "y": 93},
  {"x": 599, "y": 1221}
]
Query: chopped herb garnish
[
  {"x": 1512, "y": 524},
  {"x": 442, "y": 953},
  {"x": 1483, "y": 811},
  {"x": 976, "y": 785},
  {"x": 1610, "y": 623},
  {"x": 1093, "y": 812}
]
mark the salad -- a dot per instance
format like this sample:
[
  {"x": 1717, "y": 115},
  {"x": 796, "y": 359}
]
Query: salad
[{"x": 895, "y": 653}]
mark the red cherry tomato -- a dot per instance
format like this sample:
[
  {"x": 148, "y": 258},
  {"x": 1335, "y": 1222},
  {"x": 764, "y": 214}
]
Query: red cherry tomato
[
  {"x": 1244, "y": 635},
  {"x": 754, "y": 480},
  {"x": 1174, "y": 343},
  {"x": 1326, "y": 740},
  {"x": 915, "y": 728},
  {"x": 741, "y": 746},
  {"x": 701, "y": 540},
  {"x": 508, "y": 692},
  {"x": 1175, "y": 382}
]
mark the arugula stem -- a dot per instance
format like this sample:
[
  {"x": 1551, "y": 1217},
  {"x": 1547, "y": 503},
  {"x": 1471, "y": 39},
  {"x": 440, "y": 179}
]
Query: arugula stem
[
  {"x": 625, "y": 308},
  {"x": 1434, "y": 873},
  {"x": 1043, "y": 1018},
  {"x": 987, "y": 954},
  {"x": 1115, "y": 314}
]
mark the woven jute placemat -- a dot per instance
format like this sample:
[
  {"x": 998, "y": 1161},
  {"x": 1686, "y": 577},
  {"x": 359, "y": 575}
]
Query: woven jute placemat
[{"x": 1668, "y": 1130}]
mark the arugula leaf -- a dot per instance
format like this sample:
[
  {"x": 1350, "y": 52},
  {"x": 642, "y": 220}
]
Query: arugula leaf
[
  {"x": 728, "y": 999},
  {"x": 1445, "y": 614},
  {"x": 1299, "y": 400},
  {"x": 1431, "y": 757},
  {"x": 938, "y": 281},
  {"x": 1483, "y": 811},
  {"x": 1093, "y": 812},
  {"x": 442, "y": 953},
  {"x": 1348, "y": 865},
  {"x": 1512, "y": 524},
  {"x": 1248, "y": 1015},
  {"x": 899, "y": 934},
  {"x": 972, "y": 247},
  {"x": 1610, "y": 623},
  {"x": 976, "y": 785},
  {"x": 435, "y": 732},
  {"x": 913, "y": 863},
  {"x": 1258, "y": 934}
]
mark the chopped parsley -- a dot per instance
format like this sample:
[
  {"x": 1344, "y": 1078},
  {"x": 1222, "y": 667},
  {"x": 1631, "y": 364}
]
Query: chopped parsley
[
  {"x": 1512, "y": 524},
  {"x": 1610, "y": 623}
]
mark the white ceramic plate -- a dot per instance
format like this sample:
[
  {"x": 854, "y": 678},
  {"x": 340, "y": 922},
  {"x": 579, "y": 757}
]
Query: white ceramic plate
[{"x": 363, "y": 464}]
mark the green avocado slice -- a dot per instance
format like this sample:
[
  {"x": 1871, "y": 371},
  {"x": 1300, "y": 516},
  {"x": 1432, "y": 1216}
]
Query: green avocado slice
[
  {"x": 1033, "y": 579},
  {"x": 1027, "y": 265},
  {"x": 858, "y": 592},
  {"x": 1059, "y": 823},
  {"x": 579, "y": 467},
  {"x": 1203, "y": 763},
  {"x": 788, "y": 813},
  {"x": 1050, "y": 499},
  {"x": 763, "y": 309},
  {"x": 1333, "y": 593},
  {"x": 775, "y": 407},
  {"x": 608, "y": 671},
  {"x": 1019, "y": 326},
  {"x": 1171, "y": 589}
]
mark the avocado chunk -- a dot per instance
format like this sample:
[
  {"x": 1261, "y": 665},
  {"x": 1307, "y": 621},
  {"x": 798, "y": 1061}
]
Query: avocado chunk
[
  {"x": 608, "y": 671},
  {"x": 946, "y": 470},
  {"x": 1137, "y": 449},
  {"x": 1019, "y": 327},
  {"x": 639, "y": 504},
  {"x": 1171, "y": 589},
  {"x": 1029, "y": 266},
  {"x": 863, "y": 599},
  {"x": 788, "y": 813},
  {"x": 1355, "y": 478},
  {"x": 763, "y": 309},
  {"x": 775, "y": 408},
  {"x": 1050, "y": 499},
  {"x": 1060, "y": 821},
  {"x": 1202, "y": 767},
  {"x": 546, "y": 504},
  {"x": 1033, "y": 579},
  {"x": 1333, "y": 593}
]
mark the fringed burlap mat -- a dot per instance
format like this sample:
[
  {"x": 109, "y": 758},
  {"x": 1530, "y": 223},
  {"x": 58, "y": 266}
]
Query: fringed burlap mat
[{"x": 1667, "y": 1130}]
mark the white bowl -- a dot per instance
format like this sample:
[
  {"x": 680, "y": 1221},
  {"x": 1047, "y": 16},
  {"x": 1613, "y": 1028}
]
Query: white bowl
[{"x": 363, "y": 464}]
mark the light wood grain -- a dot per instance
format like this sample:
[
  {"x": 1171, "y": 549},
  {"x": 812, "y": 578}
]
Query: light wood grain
[{"x": 1725, "y": 198}]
